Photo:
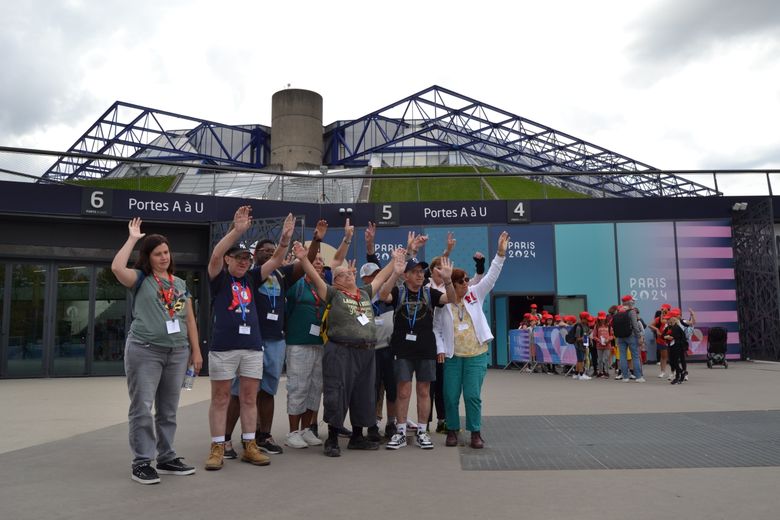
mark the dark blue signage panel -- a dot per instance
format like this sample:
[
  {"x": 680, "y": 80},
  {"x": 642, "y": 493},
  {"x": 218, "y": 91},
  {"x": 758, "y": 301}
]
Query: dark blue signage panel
[{"x": 530, "y": 259}]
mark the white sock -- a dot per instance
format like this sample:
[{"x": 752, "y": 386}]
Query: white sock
[
  {"x": 219, "y": 439},
  {"x": 248, "y": 436},
  {"x": 421, "y": 427},
  {"x": 402, "y": 429}
]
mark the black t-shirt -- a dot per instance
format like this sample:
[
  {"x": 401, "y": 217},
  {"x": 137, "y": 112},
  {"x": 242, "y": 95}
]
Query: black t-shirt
[
  {"x": 227, "y": 295},
  {"x": 271, "y": 300},
  {"x": 414, "y": 315}
]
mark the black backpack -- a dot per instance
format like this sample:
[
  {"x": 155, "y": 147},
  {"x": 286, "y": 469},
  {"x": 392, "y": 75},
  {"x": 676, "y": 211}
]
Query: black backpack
[
  {"x": 571, "y": 336},
  {"x": 621, "y": 324}
]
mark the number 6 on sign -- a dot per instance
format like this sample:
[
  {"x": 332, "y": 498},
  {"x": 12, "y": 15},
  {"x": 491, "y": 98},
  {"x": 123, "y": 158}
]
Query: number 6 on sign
[{"x": 518, "y": 211}]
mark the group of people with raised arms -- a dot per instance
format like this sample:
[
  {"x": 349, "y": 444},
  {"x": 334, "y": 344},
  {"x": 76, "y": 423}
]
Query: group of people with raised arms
[{"x": 344, "y": 341}]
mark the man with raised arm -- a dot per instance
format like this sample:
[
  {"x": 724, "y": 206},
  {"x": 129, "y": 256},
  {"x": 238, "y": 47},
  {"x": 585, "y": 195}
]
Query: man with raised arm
[
  {"x": 348, "y": 361},
  {"x": 237, "y": 343}
]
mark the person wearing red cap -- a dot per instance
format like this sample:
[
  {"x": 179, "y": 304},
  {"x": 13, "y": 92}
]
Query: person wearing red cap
[
  {"x": 582, "y": 339},
  {"x": 602, "y": 337},
  {"x": 628, "y": 331},
  {"x": 657, "y": 326},
  {"x": 674, "y": 334}
]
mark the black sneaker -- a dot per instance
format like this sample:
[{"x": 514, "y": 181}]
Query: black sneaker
[
  {"x": 331, "y": 447},
  {"x": 390, "y": 430},
  {"x": 175, "y": 467},
  {"x": 267, "y": 445},
  {"x": 145, "y": 474},
  {"x": 343, "y": 432},
  {"x": 230, "y": 453},
  {"x": 361, "y": 443},
  {"x": 373, "y": 434},
  {"x": 441, "y": 427}
]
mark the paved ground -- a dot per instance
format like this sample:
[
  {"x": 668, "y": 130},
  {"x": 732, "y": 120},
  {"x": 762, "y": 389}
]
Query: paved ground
[{"x": 63, "y": 454}]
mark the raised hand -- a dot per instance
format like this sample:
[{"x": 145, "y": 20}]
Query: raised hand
[
  {"x": 419, "y": 241},
  {"x": 349, "y": 230},
  {"x": 503, "y": 240},
  {"x": 287, "y": 229},
  {"x": 299, "y": 251},
  {"x": 351, "y": 266},
  {"x": 321, "y": 229},
  {"x": 478, "y": 255},
  {"x": 370, "y": 232},
  {"x": 399, "y": 260},
  {"x": 242, "y": 219},
  {"x": 445, "y": 268},
  {"x": 134, "y": 229},
  {"x": 450, "y": 243}
]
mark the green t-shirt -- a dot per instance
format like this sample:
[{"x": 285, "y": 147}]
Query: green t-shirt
[
  {"x": 150, "y": 312},
  {"x": 343, "y": 324},
  {"x": 304, "y": 309}
]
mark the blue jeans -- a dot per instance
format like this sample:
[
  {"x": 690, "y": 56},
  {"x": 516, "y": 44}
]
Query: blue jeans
[
  {"x": 625, "y": 344},
  {"x": 154, "y": 376}
]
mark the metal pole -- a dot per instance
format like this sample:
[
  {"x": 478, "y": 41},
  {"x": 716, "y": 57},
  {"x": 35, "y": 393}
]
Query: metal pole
[
  {"x": 715, "y": 178},
  {"x": 769, "y": 184}
]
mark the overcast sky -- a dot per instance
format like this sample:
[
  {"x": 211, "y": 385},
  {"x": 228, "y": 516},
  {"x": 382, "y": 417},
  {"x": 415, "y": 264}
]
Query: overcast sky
[{"x": 677, "y": 84}]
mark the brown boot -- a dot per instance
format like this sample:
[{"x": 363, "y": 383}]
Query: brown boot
[
  {"x": 476, "y": 441},
  {"x": 214, "y": 462},
  {"x": 253, "y": 455},
  {"x": 452, "y": 438}
]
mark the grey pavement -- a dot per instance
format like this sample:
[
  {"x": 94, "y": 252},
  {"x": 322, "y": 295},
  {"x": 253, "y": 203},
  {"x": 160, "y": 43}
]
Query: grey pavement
[{"x": 707, "y": 449}]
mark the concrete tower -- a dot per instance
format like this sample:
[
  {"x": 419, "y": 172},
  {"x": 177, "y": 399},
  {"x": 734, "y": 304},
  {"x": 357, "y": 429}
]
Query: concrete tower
[{"x": 296, "y": 129}]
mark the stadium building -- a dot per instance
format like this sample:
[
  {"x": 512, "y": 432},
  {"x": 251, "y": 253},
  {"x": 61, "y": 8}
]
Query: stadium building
[{"x": 600, "y": 224}]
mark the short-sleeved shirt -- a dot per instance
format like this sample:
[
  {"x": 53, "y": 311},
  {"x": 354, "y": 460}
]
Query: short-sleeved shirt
[
  {"x": 270, "y": 299},
  {"x": 304, "y": 309},
  {"x": 150, "y": 311},
  {"x": 466, "y": 342},
  {"x": 414, "y": 316},
  {"x": 228, "y": 296},
  {"x": 345, "y": 309}
]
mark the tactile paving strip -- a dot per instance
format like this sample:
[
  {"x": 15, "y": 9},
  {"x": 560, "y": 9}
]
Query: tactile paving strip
[{"x": 627, "y": 441}]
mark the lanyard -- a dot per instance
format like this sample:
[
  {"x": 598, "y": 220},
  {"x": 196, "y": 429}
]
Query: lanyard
[
  {"x": 413, "y": 319},
  {"x": 461, "y": 311},
  {"x": 167, "y": 295},
  {"x": 239, "y": 289},
  {"x": 272, "y": 291},
  {"x": 356, "y": 298},
  {"x": 316, "y": 299}
]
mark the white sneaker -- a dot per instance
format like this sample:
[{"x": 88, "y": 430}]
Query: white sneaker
[
  {"x": 662, "y": 375},
  {"x": 626, "y": 380},
  {"x": 640, "y": 380},
  {"x": 632, "y": 376},
  {"x": 310, "y": 439},
  {"x": 397, "y": 441},
  {"x": 618, "y": 377},
  {"x": 295, "y": 440},
  {"x": 575, "y": 377},
  {"x": 423, "y": 440},
  {"x": 585, "y": 377}
]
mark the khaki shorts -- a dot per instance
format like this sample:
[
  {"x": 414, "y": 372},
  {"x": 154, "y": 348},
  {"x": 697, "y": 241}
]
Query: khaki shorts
[{"x": 228, "y": 364}]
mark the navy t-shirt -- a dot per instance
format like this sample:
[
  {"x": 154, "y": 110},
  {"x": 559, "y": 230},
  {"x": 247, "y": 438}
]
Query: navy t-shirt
[
  {"x": 227, "y": 296},
  {"x": 271, "y": 299},
  {"x": 414, "y": 315}
]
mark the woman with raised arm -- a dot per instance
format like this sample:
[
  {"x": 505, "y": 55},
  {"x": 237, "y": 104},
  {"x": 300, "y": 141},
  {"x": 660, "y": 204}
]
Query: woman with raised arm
[
  {"x": 162, "y": 342},
  {"x": 463, "y": 335},
  {"x": 348, "y": 369}
]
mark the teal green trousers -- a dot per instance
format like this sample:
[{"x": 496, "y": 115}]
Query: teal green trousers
[{"x": 464, "y": 375}]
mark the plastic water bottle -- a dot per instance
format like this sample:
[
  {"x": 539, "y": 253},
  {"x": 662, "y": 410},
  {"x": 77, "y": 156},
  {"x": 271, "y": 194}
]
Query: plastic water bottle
[{"x": 189, "y": 378}]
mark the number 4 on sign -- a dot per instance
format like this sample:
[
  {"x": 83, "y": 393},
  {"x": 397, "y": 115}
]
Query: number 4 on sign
[{"x": 519, "y": 210}]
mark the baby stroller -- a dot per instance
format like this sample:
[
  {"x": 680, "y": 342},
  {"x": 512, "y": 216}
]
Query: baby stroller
[{"x": 716, "y": 347}]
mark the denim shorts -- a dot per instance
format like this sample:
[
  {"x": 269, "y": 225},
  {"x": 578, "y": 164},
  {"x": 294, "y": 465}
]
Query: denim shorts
[{"x": 424, "y": 370}]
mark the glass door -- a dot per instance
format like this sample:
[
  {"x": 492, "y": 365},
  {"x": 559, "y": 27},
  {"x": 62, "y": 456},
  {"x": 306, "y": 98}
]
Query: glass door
[
  {"x": 71, "y": 320},
  {"x": 26, "y": 318},
  {"x": 110, "y": 324}
]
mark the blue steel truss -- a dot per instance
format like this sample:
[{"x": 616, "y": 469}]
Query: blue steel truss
[
  {"x": 127, "y": 130},
  {"x": 466, "y": 131}
]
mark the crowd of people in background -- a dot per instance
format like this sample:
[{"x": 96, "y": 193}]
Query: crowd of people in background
[
  {"x": 606, "y": 342},
  {"x": 348, "y": 342}
]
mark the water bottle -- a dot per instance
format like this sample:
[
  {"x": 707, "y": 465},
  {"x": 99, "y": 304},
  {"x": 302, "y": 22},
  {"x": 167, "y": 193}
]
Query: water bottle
[{"x": 189, "y": 378}]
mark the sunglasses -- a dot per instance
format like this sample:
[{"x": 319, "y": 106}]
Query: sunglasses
[{"x": 465, "y": 280}]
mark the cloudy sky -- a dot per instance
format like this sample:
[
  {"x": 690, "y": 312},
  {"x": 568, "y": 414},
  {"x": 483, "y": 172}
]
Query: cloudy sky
[{"x": 678, "y": 84}]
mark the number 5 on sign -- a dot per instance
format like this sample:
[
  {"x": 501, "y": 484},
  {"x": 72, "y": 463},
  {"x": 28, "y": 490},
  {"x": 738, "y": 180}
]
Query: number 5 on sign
[
  {"x": 386, "y": 215},
  {"x": 518, "y": 211}
]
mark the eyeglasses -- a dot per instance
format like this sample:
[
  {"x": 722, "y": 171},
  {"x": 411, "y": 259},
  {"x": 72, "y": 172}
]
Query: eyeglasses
[
  {"x": 464, "y": 281},
  {"x": 241, "y": 258}
]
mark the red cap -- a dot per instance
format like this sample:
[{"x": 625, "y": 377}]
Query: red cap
[
  {"x": 527, "y": 315},
  {"x": 674, "y": 313},
  {"x": 571, "y": 319},
  {"x": 666, "y": 306},
  {"x": 677, "y": 310},
  {"x": 602, "y": 315},
  {"x": 533, "y": 318},
  {"x": 591, "y": 321},
  {"x": 627, "y": 298},
  {"x": 585, "y": 314},
  {"x": 533, "y": 305},
  {"x": 557, "y": 317}
]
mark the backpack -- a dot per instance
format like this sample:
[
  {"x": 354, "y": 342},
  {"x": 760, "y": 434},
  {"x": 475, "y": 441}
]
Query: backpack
[
  {"x": 571, "y": 336},
  {"x": 621, "y": 324}
]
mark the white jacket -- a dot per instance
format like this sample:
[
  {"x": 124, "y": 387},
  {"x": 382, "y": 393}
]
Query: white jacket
[{"x": 443, "y": 319}]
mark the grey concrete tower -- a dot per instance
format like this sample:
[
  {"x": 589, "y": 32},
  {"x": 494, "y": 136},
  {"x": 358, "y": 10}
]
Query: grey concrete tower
[{"x": 296, "y": 129}]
